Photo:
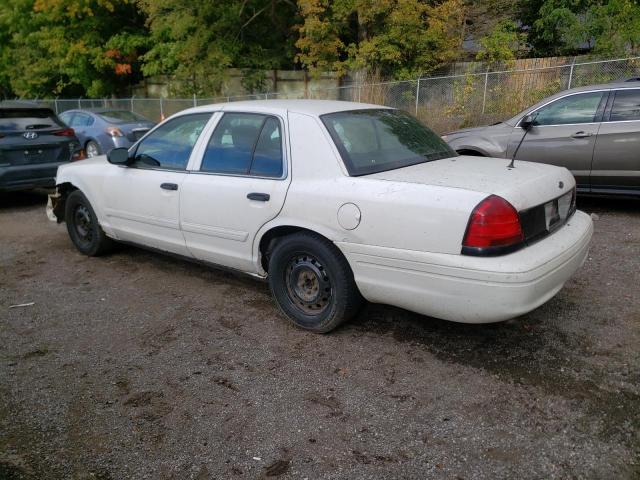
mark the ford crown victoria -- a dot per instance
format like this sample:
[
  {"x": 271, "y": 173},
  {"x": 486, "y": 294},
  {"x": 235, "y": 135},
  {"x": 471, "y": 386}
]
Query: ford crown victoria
[{"x": 335, "y": 203}]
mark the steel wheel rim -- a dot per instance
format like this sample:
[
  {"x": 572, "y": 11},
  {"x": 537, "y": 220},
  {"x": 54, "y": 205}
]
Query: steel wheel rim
[
  {"x": 308, "y": 284},
  {"x": 83, "y": 224},
  {"x": 92, "y": 150}
]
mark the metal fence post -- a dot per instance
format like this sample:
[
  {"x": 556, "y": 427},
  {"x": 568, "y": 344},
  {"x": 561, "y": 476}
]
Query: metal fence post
[
  {"x": 79, "y": 106},
  {"x": 573, "y": 62},
  {"x": 55, "y": 104},
  {"x": 195, "y": 103},
  {"x": 132, "y": 103},
  {"x": 104, "y": 102},
  {"x": 417, "y": 95},
  {"x": 161, "y": 109},
  {"x": 484, "y": 95}
]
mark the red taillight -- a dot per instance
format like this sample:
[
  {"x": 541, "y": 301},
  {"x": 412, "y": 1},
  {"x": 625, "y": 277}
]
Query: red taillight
[
  {"x": 494, "y": 225},
  {"x": 114, "y": 132},
  {"x": 67, "y": 132}
]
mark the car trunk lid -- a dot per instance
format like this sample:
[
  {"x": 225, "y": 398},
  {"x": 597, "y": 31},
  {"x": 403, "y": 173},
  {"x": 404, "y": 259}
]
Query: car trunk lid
[{"x": 525, "y": 186}]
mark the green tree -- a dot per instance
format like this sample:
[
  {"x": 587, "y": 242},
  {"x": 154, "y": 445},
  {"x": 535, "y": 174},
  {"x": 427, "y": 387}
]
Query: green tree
[
  {"x": 196, "y": 41},
  {"x": 391, "y": 38},
  {"x": 70, "y": 47},
  {"x": 502, "y": 44},
  {"x": 574, "y": 26}
]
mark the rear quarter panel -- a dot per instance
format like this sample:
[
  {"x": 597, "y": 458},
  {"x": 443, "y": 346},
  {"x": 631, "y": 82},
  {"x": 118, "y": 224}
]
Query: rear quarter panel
[{"x": 392, "y": 214}]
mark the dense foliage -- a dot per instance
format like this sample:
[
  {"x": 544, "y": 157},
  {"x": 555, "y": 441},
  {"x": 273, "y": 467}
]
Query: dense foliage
[{"x": 102, "y": 47}]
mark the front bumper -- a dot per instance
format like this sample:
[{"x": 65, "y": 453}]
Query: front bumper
[
  {"x": 24, "y": 177},
  {"x": 472, "y": 289}
]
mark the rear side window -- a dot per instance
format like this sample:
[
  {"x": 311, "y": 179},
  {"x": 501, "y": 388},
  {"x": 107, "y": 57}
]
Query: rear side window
[
  {"x": 626, "y": 106},
  {"x": 373, "y": 141},
  {"x": 121, "y": 116},
  {"x": 170, "y": 145},
  {"x": 245, "y": 144},
  {"x": 12, "y": 120},
  {"x": 574, "y": 109}
]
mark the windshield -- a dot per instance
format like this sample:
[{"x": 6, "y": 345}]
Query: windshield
[
  {"x": 372, "y": 141},
  {"x": 121, "y": 116},
  {"x": 21, "y": 119}
]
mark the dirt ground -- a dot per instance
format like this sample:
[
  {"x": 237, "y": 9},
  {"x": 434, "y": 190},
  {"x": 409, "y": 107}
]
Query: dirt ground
[{"x": 137, "y": 365}]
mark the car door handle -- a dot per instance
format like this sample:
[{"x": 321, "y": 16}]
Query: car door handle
[
  {"x": 259, "y": 197},
  {"x": 169, "y": 186},
  {"x": 581, "y": 134}
]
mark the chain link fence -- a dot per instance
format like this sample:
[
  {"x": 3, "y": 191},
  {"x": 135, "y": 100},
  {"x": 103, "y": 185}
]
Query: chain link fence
[{"x": 444, "y": 103}]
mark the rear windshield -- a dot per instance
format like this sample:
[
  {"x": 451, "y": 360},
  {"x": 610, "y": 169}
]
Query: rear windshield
[
  {"x": 121, "y": 116},
  {"x": 20, "y": 119},
  {"x": 372, "y": 141}
]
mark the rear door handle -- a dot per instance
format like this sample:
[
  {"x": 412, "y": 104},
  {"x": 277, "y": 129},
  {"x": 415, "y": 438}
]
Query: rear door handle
[
  {"x": 259, "y": 197},
  {"x": 581, "y": 134},
  {"x": 169, "y": 186}
]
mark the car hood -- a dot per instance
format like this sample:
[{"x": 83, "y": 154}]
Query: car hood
[{"x": 527, "y": 185}]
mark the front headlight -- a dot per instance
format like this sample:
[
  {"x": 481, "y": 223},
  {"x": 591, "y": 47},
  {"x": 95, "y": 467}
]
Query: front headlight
[{"x": 444, "y": 137}]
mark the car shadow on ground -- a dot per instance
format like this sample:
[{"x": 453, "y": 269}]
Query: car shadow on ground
[
  {"x": 595, "y": 204},
  {"x": 23, "y": 199}
]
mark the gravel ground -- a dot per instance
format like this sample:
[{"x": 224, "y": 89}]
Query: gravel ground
[{"x": 136, "y": 365}]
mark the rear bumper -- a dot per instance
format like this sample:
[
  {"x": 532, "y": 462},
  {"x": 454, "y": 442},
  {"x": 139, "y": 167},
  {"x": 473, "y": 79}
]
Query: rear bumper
[
  {"x": 472, "y": 289},
  {"x": 22, "y": 177}
]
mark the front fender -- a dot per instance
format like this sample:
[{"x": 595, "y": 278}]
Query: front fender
[{"x": 88, "y": 177}]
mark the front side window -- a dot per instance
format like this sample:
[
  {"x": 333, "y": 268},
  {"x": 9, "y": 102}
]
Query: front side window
[
  {"x": 373, "y": 141},
  {"x": 574, "y": 109},
  {"x": 245, "y": 144},
  {"x": 626, "y": 106},
  {"x": 169, "y": 146}
]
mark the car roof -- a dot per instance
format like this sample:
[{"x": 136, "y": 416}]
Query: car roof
[
  {"x": 96, "y": 110},
  {"x": 309, "y": 107}
]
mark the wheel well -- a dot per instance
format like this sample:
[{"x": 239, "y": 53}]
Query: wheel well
[
  {"x": 269, "y": 240},
  {"x": 59, "y": 201},
  {"x": 473, "y": 153}
]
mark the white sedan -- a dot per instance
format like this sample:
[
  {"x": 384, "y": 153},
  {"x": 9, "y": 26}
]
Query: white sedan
[{"x": 334, "y": 203}]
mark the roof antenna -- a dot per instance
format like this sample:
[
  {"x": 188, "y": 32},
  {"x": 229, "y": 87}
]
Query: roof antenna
[{"x": 526, "y": 123}]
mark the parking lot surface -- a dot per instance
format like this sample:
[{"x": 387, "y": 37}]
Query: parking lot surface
[{"x": 138, "y": 365}]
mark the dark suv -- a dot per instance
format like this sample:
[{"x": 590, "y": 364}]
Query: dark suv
[{"x": 33, "y": 142}]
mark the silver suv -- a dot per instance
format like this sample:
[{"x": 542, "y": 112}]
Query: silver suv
[{"x": 593, "y": 131}]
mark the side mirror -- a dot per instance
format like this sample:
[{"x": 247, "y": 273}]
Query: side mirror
[
  {"x": 528, "y": 121},
  {"x": 119, "y": 156}
]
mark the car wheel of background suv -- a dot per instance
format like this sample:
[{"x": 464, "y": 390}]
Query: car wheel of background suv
[{"x": 312, "y": 282}]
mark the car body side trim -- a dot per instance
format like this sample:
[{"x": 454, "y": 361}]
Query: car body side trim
[
  {"x": 161, "y": 222},
  {"x": 228, "y": 234}
]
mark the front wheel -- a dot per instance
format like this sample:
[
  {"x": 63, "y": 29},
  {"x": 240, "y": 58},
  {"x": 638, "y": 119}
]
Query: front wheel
[
  {"x": 312, "y": 282},
  {"x": 83, "y": 227}
]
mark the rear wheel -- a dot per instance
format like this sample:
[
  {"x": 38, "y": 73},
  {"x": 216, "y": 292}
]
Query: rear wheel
[
  {"x": 312, "y": 282},
  {"x": 92, "y": 149},
  {"x": 83, "y": 227}
]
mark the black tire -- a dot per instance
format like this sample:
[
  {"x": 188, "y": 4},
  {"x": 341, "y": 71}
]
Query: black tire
[
  {"x": 83, "y": 227},
  {"x": 312, "y": 282},
  {"x": 92, "y": 147}
]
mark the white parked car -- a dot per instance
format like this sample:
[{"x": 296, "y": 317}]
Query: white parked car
[{"x": 335, "y": 202}]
